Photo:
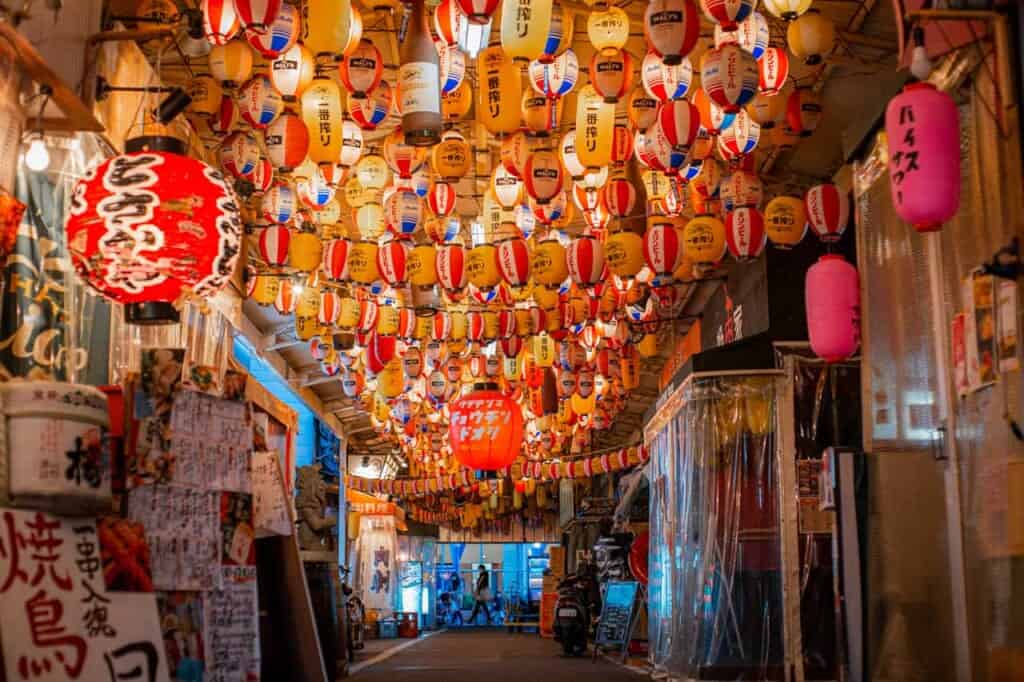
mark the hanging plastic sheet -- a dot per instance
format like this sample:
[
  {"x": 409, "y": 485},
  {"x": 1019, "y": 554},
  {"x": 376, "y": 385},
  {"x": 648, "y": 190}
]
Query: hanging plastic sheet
[{"x": 715, "y": 583}]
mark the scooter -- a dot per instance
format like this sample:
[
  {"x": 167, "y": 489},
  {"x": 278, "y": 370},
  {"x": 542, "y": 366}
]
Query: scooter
[
  {"x": 355, "y": 616},
  {"x": 579, "y": 603}
]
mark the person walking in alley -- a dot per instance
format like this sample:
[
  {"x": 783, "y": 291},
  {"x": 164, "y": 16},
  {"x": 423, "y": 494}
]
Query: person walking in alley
[{"x": 482, "y": 595}]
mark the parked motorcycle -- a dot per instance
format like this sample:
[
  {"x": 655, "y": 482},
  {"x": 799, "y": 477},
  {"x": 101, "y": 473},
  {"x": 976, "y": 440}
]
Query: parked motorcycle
[{"x": 577, "y": 608}]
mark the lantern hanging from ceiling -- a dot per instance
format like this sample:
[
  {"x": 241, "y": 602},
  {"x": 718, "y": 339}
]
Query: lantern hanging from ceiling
[
  {"x": 273, "y": 245},
  {"x": 560, "y": 34},
  {"x": 372, "y": 171},
  {"x": 281, "y": 35},
  {"x": 787, "y": 9},
  {"x": 558, "y": 210},
  {"x": 279, "y": 203},
  {"x": 585, "y": 261},
  {"x": 391, "y": 261},
  {"x": 474, "y": 37},
  {"x": 420, "y": 267},
  {"x": 262, "y": 177},
  {"x": 525, "y": 25},
  {"x": 206, "y": 94},
  {"x": 360, "y": 72},
  {"x": 499, "y": 91},
  {"x": 727, "y": 13},
  {"x": 286, "y": 299},
  {"x": 305, "y": 252},
  {"x": 608, "y": 30},
  {"x": 811, "y": 37},
  {"x": 832, "y": 294},
  {"x": 679, "y": 121},
  {"x": 741, "y": 137},
  {"x": 330, "y": 306},
  {"x": 441, "y": 198},
  {"x": 548, "y": 264},
  {"x": 704, "y": 240},
  {"x": 611, "y": 74},
  {"x": 322, "y": 114},
  {"x": 729, "y": 77},
  {"x": 663, "y": 249},
  {"x": 570, "y": 159},
  {"x": 485, "y": 430},
  {"x": 447, "y": 19},
  {"x": 144, "y": 228},
  {"x": 331, "y": 29},
  {"x": 672, "y": 28},
  {"x": 362, "y": 264},
  {"x": 351, "y": 144},
  {"x": 624, "y": 253},
  {"x": 515, "y": 152},
  {"x": 403, "y": 211},
  {"x": 287, "y": 141},
  {"x": 264, "y": 288},
  {"x": 457, "y": 103},
  {"x": 452, "y": 65},
  {"x": 618, "y": 197},
  {"x": 450, "y": 159},
  {"x": 622, "y": 146},
  {"x": 642, "y": 109},
  {"x": 314, "y": 191},
  {"x": 664, "y": 82},
  {"x": 482, "y": 267},
  {"x": 293, "y": 71},
  {"x": 451, "y": 267},
  {"x": 767, "y": 110},
  {"x": 803, "y": 111},
  {"x": 335, "y": 259},
  {"x": 231, "y": 63},
  {"x": 257, "y": 15},
  {"x": 773, "y": 70},
  {"x": 541, "y": 114},
  {"x": 828, "y": 211},
  {"x": 513, "y": 258},
  {"x": 506, "y": 187},
  {"x": 785, "y": 221},
  {"x": 369, "y": 218},
  {"x": 259, "y": 102},
  {"x": 923, "y": 128},
  {"x": 752, "y": 35},
  {"x": 745, "y": 233},
  {"x": 403, "y": 158},
  {"x": 478, "y": 11},
  {"x": 542, "y": 177},
  {"x": 745, "y": 189},
  {"x": 557, "y": 77},
  {"x": 371, "y": 111},
  {"x": 239, "y": 153},
  {"x": 595, "y": 123},
  {"x": 220, "y": 21}
]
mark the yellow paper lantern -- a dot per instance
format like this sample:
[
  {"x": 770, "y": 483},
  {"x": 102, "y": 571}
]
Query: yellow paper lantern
[
  {"x": 648, "y": 346},
  {"x": 305, "y": 252},
  {"x": 348, "y": 317},
  {"x": 306, "y": 327},
  {"x": 544, "y": 350},
  {"x": 362, "y": 263},
  {"x": 331, "y": 28},
  {"x": 391, "y": 380},
  {"x": 608, "y": 30},
  {"x": 582, "y": 406},
  {"x": 424, "y": 326},
  {"x": 524, "y": 28},
  {"x": 206, "y": 94},
  {"x": 451, "y": 158},
  {"x": 369, "y": 218},
  {"x": 787, "y": 9},
  {"x": 372, "y": 171},
  {"x": 482, "y": 267},
  {"x": 785, "y": 221},
  {"x": 456, "y": 104},
  {"x": 322, "y": 113},
  {"x": 545, "y": 297},
  {"x": 460, "y": 325},
  {"x": 308, "y": 304},
  {"x": 595, "y": 125},
  {"x": 811, "y": 37},
  {"x": 491, "y": 325},
  {"x": 624, "y": 253},
  {"x": 265, "y": 290},
  {"x": 704, "y": 240},
  {"x": 231, "y": 63},
  {"x": 293, "y": 71},
  {"x": 387, "y": 320},
  {"x": 548, "y": 264},
  {"x": 420, "y": 265},
  {"x": 499, "y": 91},
  {"x": 541, "y": 114},
  {"x": 767, "y": 110}
]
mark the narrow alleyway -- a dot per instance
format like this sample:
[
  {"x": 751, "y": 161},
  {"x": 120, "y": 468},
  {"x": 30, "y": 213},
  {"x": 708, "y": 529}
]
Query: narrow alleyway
[{"x": 490, "y": 656}]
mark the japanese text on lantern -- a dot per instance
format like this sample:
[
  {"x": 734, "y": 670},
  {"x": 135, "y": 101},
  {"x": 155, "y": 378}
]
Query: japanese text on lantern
[
  {"x": 905, "y": 161},
  {"x": 479, "y": 419}
]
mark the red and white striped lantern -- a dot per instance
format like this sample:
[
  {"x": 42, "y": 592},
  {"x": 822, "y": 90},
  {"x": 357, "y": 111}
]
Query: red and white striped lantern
[
  {"x": 259, "y": 102},
  {"x": 279, "y": 203},
  {"x": 220, "y": 21},
  {"x": 663, "y": 249},
  {"x": 380, "y": 351},
  {"x": 512, "y": 346},
  {"x": 729, "y": 77},
  {"x": 611, "y": 74},
  {"x": 407, "y": 331},
  {"x": 664, "y": 82},
  {"x": 450, "y": 263},
  {"x": 226, "y": 117},
  {"x": 287, "y": 140},
  {"x": 622, "y": 145},
  {"x": 744, "y": 233},
  {"x": 727, "y": 13},
  {"x": 318, "y": 348},
  {"x": 286, "y": 299},
  {"x": 330, "y": 306},
  {"x": 274, "y": 241},
  {"x": 478, "y": 11},
  {"x": 585, "y": 260},
  {"x": 280, "y": 36},
  {"x": 391, "y": 261},
  {"x": 441, "y": 198},
  {"x": 257, "y": 15},
  {"x": 672, "y": 28},
  {"x": 475, "y": 326},
  {"x": 448, "y": 17},
  {"x": 262, "y": 177},
  {"x": 773, "y": 70},
  {"x": 618, "y": 197},
  {"x": 513, "y": 258},
  {"x": 506, "y": 323},
  {"x": 680, "y": 123},
  {"x": 361, "y": 71},
  {"x": 441, "y": 326},
  {"x": 828, "y": 211},
  {"x": 543, "y": 176},
  {"x": 239, "y": 153},
  {"x": 335, "y": 259},
  {"x": 368, "y": 310}
]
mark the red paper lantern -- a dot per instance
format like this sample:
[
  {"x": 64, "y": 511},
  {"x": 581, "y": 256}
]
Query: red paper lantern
[
  {"x": 450, "y": 262},
  {"x": 828, "y": 211},
  {"x": 441, "y": 198},
  {"x": 486, "y": 430},
  {"x": 274, "y": 242},
  {"x": 287, "y": 141},
  {"x": 360, "y": 72},
  {"x": 672, "y": 28},
  {"x": 585, "y": 260},
  {"x": 335, "y": 259},
  {"x": 611, "y": 74},
  {"x": 220, "y": 21},
  {"x": 663, "y": 249},
  {"x": 257, "y": 15},
  {"x": 803, "y": 111},
  {"x": 286, "y": 299},
  {"x": 729, "y": 76},
  {"x": 727, "y": 13},
  {"x": 745, "y": 235},
  {"x": 618, "y": 197},
  {"x": 773, "y": 70},
  {"x": 391, "y": 261},
  {"x": 145, "y": 227},
  {"x": 330, "y": 306},
  {"x": 513, "y": 258}
]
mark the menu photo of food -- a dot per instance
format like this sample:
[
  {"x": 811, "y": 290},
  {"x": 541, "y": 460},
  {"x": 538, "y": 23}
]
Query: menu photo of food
[{"x": 125, "y": 555}]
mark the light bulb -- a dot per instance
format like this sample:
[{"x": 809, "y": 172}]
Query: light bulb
[
  {"x": 298, "y": 289},
  {"x": 37, "y": 157},
  {"x": 920, "y": 65}
]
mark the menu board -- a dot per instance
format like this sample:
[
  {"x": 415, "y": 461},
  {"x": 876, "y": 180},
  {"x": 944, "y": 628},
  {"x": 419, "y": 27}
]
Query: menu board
[
  {"x": 231, "y": 618},
  {"x": 211, "y": 442},
  {"x": 616, "y": 622},
  {"x": 272, "y": 514}
]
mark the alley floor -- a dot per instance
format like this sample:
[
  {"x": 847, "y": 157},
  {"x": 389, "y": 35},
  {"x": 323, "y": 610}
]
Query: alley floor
[{"x": 490, "y": 655}]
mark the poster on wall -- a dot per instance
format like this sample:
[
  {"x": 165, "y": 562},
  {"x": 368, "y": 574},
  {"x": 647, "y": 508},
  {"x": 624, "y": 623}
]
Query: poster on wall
[
  {"x": 231, "y": 617},
  {"x": 377, "y": 548},
  {"x": 980, "y": 322},
  {"x": 271, "y": 508}
]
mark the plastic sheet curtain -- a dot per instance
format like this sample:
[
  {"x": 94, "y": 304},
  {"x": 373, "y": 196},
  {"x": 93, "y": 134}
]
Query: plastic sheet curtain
[
  {"x": 715, "y": 601},
  {"x": 376, "y": 557}
]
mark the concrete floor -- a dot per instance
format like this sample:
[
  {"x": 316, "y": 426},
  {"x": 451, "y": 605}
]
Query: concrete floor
[{"x": 494, "y": 655}]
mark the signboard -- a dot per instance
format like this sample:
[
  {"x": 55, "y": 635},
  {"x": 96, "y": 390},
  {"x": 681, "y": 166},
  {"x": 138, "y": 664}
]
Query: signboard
[
  {"x": 616, "y": 624},
  {"x": 270, "y": 505}
]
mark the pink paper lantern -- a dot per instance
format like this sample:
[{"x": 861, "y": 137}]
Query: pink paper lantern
[
  {"x": 832, "y": 294},
  {"x": 923, "y": 128}
]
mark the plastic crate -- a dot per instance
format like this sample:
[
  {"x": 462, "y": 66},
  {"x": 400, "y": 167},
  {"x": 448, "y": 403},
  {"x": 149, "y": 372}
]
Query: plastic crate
[{"x": 388, "y": 628}]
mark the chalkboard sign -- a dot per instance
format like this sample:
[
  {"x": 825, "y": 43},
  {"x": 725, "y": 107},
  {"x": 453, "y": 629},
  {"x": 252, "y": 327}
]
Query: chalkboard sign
[{"x": 616, "y": 624}]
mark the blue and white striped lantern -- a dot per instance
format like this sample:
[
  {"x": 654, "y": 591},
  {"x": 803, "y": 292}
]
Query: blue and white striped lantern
[
  {"x": 260, "y": 102},
  {"x": 556, "y": 78},
  {"x": 281, "y": 36},
  {"x": 314, "y": 191},
  {"x": 452, "y": 63},
  {"x": 279, "y": 203},
  {"x": 403, "y": 211}
]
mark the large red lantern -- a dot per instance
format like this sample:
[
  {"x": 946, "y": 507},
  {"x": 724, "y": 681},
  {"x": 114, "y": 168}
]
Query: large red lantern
[
  {"x": 450, "y": 262},
  {"x": 618, "y": 197},
  {"x": 441, "y": 198},
  {"x": 486, "y": 430},
  {"x": 360, "y": 72},
  {"x": 287, "y": 140},
  {"x": 729, "y": 76},
  {"x": 727, "y": 13},
  {"x": 220, "y": 21},
  {"x": 680, "y": 123},
  {"x": 391, "y": 261},
  {"x": 335, "y": 259},
  {"x": 828, "y": 211},
  {"x": 513, "y": 258},
  {"x": 478, "y": 11},
  {"x": 803, "y": 111},
  {"x": 146, "y": 227}
]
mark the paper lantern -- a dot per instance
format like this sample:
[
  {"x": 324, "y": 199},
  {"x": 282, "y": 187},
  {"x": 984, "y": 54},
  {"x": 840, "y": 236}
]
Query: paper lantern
[
  {"x": 261, "y": 177},
  {"x": 392, "y": 257},
  {"x": 331, "y": 29},
  {"x": 624, "y": 253},
  {"x": 727, "y": 13},
  {"x": 745, "y": 189},
  {"x": 231, "y": 63},
  {"x": 482, "y": 267},
  {"x": 206, "y": 94},
  {"x": 322, "y": 114},
  {"x": 286, "y": 300},
  {"x": 292, "y": 72},
  {"x": 569, "y": 157},
  {"x": 473, "y": 37},
  {"x": 145, "y": 227},
  {"x": 811, "y": 37},
  {"x": 513, "y": 260},
  {"x": 257, "y": 15},
  {"x": 305, "y": 252},
  {"x": 559, "y": 35},
  {"x": 828, "y": 211},
  {"x": 541, "y": 114},
  {"x": 287, "y": 141},
  {"x": 785, "y": 221},
  {"x": 729, "y": 77},
  {"x": 457, "y": 103},
  {"x": 330, "y": 306},
  {"x": 608, "y": 30},
  {"x": 505, "y": 187},
  {"x": 420, "y": 265},
  {"x": 360, "y": 72},
  {"x": 499, "y": 91},
  {"x": 767, "y": 110},
  {"x": 542, "y": 177},
  {"x": 278, "y": 203},
  {"x": 642, "y": 109},
  {"x": 923, "y": 129},
  {"x": 555, "y": 210},
  {"x": 611, "y": 74},
  {"x": 372, "y": 171},
  {"x": 447, "y": 19},
  {"x": 239, "y": 153},
  {"x": 525, "y": 25},
  {"x": 595, "y": 123},
  {"x": 664, "y": 82},
  {"x": 618, "y": 197},
  {"x": 803, "y": 111},
  {"x": 314, "y": 191},
  {"x": 663, "y": 249},
  {"x": 672, "y": 28},
  {"x": 273, "y": 245},
  {"x": 832, "y": 293},
  {"x": 371, "y": 111},
  {"x": 220, "y": 21},
  {"x": 362, "y": 263},
  {"x": 450, "y": 159},
  {"x": 452, "y": 65},
  {"x": 478, "y": 11},
  {"x": 585, "y": 261},
  {"x": 773, "y": 70},
  {"x": 745, "y": 233},
  {"x": 335, "y": 259},
  {"x": 515, "y": 152},
  {"x": 370, "y": 220},
  {"x": 704, "y": 240},
  {"x": 226, "y": 118},
  {"x": 787, "y": 9},
  {"x": 679, "y": 121},
  {"x": 485, "y": 430},
  {"x": 548, "y": 263},
  {"x": 441, "y": 198},
  {"x": 403, "y": 211},
  {"x": 265, "y": 289},
  {"x": 751, "y": 34},
  {"x": 451, "y": 267},
  {"x": 741, "y": 137},
  {"x": 280, "y": 36}
]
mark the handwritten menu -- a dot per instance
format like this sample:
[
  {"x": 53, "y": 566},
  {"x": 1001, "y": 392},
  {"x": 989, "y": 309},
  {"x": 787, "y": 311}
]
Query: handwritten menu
[
  {"x": 272, "y": 513},
  {"x": 231, "y": 620},
  {"x": 60, "y": 621},
  {"x": 617, "y": 613},
  {"x": 211, "y": 442}
]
